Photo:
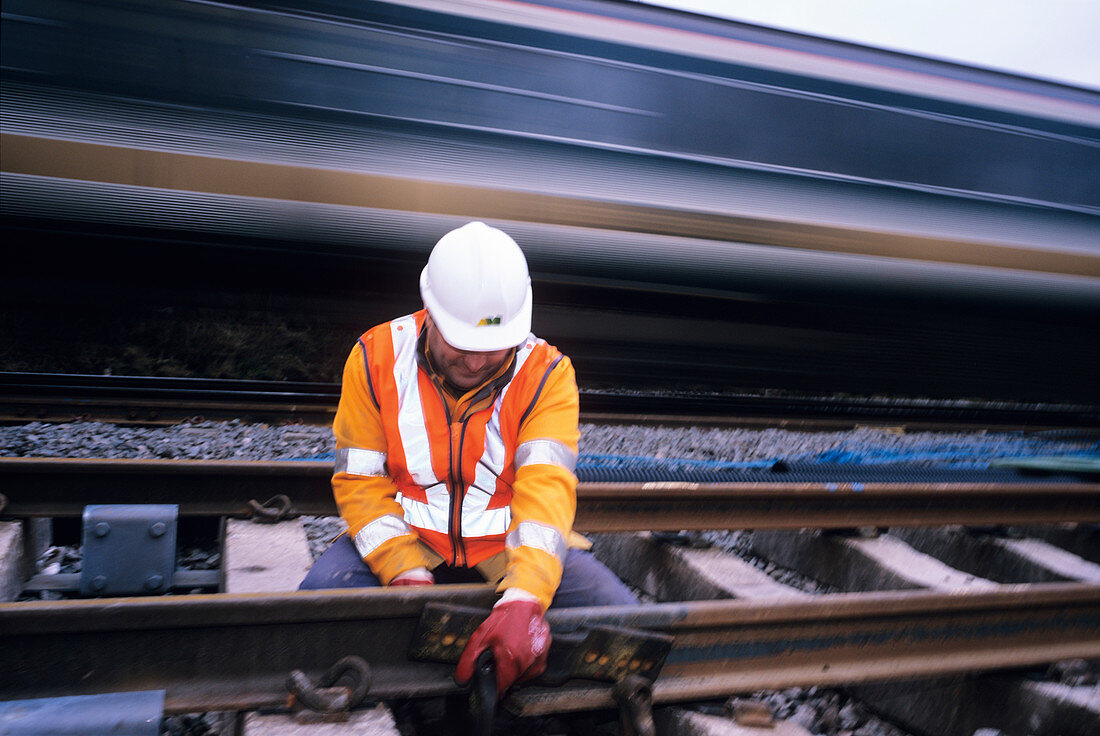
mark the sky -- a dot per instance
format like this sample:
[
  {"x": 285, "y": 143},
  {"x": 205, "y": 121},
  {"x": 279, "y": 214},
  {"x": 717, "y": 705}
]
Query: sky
[{"x": 1057, "y": 40}]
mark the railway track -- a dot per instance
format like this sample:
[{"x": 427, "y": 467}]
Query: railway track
[
  {"x": 242, "y": 647},
  {"x": 151, "y": 400}
]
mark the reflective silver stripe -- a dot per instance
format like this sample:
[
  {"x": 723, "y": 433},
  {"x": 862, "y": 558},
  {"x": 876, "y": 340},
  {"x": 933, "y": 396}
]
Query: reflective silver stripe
[
  {"x": 434, "y": 514},
  {"x": 410, "y": 413},
  {"x": 492, "y": 460},
  {"x": 524, "y": 352},
  {"x": 538, "y": 536},
  {"x": 356, "y": 461},
  {"x": 480, "y": 521},
  {"x": 546, "y": 452},
  {"x": 378, "y": 531}
]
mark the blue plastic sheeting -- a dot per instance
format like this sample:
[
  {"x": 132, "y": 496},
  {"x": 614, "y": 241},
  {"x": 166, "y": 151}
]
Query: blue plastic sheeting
[
  {"x": 110, "y": 714},
  {"x": 634, "y": 461},
  {"x": 975, "y": 452},
  {"x": 972, "y": 453},
  {"x": 829, "y": 473}
]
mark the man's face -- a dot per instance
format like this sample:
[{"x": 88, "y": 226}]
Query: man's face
[{"x": 466, "y": 369}]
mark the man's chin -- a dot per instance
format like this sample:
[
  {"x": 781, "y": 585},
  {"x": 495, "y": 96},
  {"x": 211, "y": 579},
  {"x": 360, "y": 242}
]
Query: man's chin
[{"x": 468, "y": 383}]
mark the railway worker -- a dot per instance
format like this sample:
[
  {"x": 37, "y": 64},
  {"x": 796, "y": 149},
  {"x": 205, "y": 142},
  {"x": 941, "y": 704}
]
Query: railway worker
[{"x": 456, "y": 438}]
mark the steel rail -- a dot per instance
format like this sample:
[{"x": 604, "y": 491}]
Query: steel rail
[
  {"x": 62, "y": 486},
  {"x": 233, "y": 652},
  {"x": 57, "y": 487},
  {"x": 158, "y": 400},
  {"x": 159, "y": 412},
  {"x": 689, "y": 506}
]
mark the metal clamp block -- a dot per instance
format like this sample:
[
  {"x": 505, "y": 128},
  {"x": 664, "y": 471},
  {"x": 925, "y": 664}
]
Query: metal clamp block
[{"x": 128, "y": 549}]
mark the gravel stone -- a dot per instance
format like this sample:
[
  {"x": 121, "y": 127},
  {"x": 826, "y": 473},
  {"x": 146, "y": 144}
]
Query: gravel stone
[{"x": 321, "y": 531}]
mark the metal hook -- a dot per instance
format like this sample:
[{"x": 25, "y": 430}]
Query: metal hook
[
  {"x": 323, "y": 697},
  {"x": 272, "y": 510}
]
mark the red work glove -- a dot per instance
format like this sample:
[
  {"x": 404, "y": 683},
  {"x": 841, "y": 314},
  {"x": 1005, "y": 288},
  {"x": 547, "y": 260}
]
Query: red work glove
[
  {"x": 416, "y": 576},
  {"x": 519, "y": 639}
]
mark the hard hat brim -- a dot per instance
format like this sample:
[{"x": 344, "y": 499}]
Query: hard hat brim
[{"x": 479, "y": 338}]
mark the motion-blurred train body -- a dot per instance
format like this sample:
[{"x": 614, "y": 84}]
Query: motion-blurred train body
[{"x": 631, "y": 150}]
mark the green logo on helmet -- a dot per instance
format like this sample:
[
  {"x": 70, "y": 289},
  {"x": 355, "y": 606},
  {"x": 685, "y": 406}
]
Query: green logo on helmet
[{"x": 488, "y": 321}]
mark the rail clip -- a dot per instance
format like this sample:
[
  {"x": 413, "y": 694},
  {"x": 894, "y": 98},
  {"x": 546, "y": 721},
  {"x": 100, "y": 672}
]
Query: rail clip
[{"x": 324, "y": 701}]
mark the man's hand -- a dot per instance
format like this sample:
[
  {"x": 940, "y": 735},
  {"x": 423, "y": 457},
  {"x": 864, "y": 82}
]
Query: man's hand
[
  {"x": 519, "y": 638},
  {"x": 416, "y": 576}
]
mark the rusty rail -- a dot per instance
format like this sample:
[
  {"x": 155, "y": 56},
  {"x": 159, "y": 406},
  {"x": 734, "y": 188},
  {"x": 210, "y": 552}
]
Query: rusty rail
[
  {"x": 62, "y": 487},
  {"x": 675, "y": 506},
  {"x": 233, "y": 652}
]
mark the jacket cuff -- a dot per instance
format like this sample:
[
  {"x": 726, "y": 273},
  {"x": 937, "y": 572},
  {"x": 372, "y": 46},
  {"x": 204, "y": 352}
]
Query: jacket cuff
[
  {"x": 517, "y": 594},
  {"x": 416, "y": 573},
  {"x": 394, "y": 557}
]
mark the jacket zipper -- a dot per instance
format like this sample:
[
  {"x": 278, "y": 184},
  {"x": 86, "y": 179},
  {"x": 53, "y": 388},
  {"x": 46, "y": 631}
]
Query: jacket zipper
[
  {"x": 457, "y": 498},
  {"x": 454, "y": 484},
  {"x": 452, "y": 487}
]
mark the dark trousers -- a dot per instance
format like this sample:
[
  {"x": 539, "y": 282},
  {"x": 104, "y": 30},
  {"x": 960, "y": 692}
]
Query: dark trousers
[{"x": 585, "y": 581}]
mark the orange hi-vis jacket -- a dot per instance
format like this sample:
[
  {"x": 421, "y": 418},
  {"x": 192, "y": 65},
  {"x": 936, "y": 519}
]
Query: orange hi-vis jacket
[{"x": 487, "y": 473}]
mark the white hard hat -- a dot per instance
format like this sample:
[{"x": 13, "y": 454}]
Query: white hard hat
[{"x": 477, "y": 289}]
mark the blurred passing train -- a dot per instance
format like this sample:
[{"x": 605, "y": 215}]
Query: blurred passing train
[{"x": 745, "y": 206}]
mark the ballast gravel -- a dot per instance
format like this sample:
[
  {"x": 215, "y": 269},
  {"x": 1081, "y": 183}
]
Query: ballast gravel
[
  {"x": 236, "y": 440},
  {"x": 230, "y": 440}
]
